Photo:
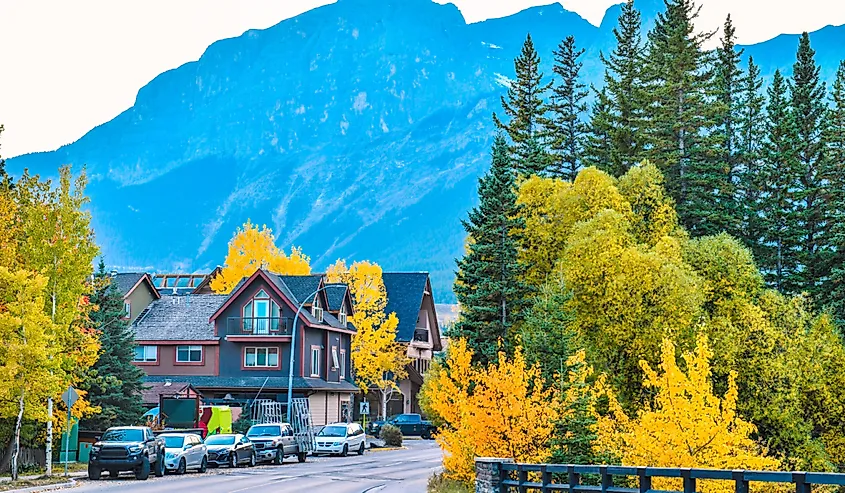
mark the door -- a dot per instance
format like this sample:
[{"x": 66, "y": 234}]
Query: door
[
  {"x": 197, "y": 450},
  {"x": 288, "y": 441},
  {"x": 242, "y": 449},
  {"x": 262, "y": 317}
]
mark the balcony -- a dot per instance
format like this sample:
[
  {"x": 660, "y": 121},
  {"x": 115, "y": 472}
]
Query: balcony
[
  {"x": 259, "y": 326},
  {"x": 421, "y": 335}
]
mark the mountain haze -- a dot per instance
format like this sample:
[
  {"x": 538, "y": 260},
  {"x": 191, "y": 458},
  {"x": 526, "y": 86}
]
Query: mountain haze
[{"x": 356, "y": 130}]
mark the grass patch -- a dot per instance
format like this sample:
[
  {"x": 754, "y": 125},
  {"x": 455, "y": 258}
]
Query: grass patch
[
  {"x": 29, "y": 483},
  {"x": 58, "y": 470},
  {"x": 438, "y": 483}
]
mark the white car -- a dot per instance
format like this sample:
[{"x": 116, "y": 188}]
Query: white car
[
  {"x": 184, "y": 451},
  {"x": 340, "y": 439}
]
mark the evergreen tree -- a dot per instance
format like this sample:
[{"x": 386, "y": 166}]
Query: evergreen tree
[
  {"x": 807, "y": 94},
  {"x": 728, "y": 80},
  {"x": 835, "y": 158},
  {"x": 547, "y": 335},
  {"x": 750, "y": 135},
  {"x": 778, "y": 210},
  {"x": 526, "y": 109},
  {"x": 681, "y": 116},
  {"x": 113, "y": 383},
  {"x": 598, "y": 145},
  {"x": 567, "y": 131},
  {"x": 489, "y": 283},
  {"x": 623, "y": 80}
]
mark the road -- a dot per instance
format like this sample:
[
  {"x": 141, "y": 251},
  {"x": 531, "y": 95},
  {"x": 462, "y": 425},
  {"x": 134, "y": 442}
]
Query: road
[{"x": 395, "y": 471}]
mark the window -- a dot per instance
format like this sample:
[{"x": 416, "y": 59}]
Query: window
[
  {"x": 342, "y": 364},
  {"x": 261, "y": 357},
  {"x": 316, "y": 309},
  {"x": 341, "y": 317},
  {"x": 261, "y": 315},
  {"x": 146, "y": 354},
  {"x": 127, "y": 309},
  {"x": 157, "y": 281},
  {"x": 315, "y": 361},
  {"x": 335, "y": 363},
  {"x": 188, "y": 354}
]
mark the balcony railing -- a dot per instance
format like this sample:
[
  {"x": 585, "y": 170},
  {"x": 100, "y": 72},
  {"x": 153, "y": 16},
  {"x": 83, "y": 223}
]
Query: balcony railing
[
  {"x": 259, "y": 326},
  {"x": 421, "y": 335}
]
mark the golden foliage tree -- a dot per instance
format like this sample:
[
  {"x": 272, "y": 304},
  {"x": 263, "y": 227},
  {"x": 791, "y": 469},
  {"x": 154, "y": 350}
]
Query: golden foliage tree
[
  {"x": 379, "y": 361},
  {"x": 687, "y": 425},
  {"x": 251, "y": 249},
  {"x": 501, "y": 410}
]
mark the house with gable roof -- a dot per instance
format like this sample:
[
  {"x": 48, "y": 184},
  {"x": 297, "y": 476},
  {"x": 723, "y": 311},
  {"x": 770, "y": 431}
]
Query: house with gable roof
[{"x": 137, "y": 290}]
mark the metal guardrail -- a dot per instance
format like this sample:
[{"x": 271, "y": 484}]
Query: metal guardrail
[
  {"x": 553, "y": 477},
  {"x": 259, "y": 326}
]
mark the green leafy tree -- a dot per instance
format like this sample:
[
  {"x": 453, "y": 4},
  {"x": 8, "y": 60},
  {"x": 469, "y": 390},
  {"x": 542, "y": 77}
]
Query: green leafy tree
[
  {"x": 807, "y": 93},
  {"x": 751, "y": 133},
  {"x": 526, "y": 109},
  {"x": 835, "y": 141},
  {"x": 568, "y": 105},
  {"x": 113, "y": 383},
  {"x": 489, "y": 284}
]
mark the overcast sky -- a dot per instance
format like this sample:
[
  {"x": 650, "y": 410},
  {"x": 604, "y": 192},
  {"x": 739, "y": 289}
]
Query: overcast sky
[{"x": 67, "y": 66}]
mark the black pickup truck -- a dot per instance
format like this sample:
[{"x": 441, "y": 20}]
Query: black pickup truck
[
  {"x": 409, "y": 424},
  {"x": 127, "y": 448}
]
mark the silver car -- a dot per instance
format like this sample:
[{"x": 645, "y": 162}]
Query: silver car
[
  {"x": 183, "y": 452},
  {"x": 340, "y": 439}
]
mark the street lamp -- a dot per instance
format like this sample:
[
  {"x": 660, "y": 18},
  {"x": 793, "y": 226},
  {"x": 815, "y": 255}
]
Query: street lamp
[{"x": 293, "y": 340}]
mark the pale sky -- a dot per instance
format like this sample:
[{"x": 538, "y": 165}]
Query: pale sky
[{"x": 67, "y": 66}]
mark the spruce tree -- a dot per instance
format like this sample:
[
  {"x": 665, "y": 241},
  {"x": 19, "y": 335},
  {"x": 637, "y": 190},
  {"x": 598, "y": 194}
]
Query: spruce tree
[
  {"x": 778, "y": 212},
  {"x": 807, "y": 93},
  {"x": 527, "y": 111},
  {"x": 623, "y": 82},
  {"x": 567, "y": 130},
  {"x": 835, "y": 170},
  {"x": 598, "y": 145},
  {"x": 113, "y": 383},
  {"x": 750, "y": 135},
  {"x": 681, "y": 116},
  {"x": 489, "y": 284}
]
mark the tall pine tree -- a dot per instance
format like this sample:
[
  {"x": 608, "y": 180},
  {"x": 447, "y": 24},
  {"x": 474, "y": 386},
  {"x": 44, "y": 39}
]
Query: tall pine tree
[
  {"x": 598, "y": 145},
  {"x": 527, "y": 111},
  {"x": 567, "y": 130},
  {"x": 808, "y": 94},
  {"x": 681, "y": 116},
  {"x": 489, "y": 283},
  {"x": 113, "y": 383},
  {"x": 835, "y": 159},
  {"x": 778, "y": 212},
  {"x": 750, "y": 135},
  {"x": 623, "y": 83}
]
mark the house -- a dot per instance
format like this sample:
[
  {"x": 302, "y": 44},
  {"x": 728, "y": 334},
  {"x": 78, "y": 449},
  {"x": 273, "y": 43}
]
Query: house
[
  {"x": 235, "y": 348},
  {"x": 137, "y": 290}
]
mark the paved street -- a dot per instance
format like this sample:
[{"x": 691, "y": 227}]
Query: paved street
[{"x": 399, "y": 471}]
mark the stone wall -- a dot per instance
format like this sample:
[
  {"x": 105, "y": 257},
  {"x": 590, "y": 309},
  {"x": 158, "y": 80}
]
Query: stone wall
[{"x": 487, "y": 474}]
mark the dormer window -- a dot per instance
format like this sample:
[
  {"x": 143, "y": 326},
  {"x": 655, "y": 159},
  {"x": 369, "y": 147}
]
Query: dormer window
[
  {"x": 261, "y": 315},
  {"x": 341, "y": 317},
  {"x": 317, "y": 309}
]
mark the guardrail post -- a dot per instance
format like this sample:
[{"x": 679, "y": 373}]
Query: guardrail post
[
  {"x": 545, "y": 479},
  {"x": 741, "y": 483},
  {"x": 522, "y": 477},
  {"x": 574, "y": 478},
  {"x": 606, "y": 479},
  {"x": 689, "y": 481},
  {"x": 801, "y": 484},
  {"x": 489, "y": 475},
  {"x": 645, "y": 481}
]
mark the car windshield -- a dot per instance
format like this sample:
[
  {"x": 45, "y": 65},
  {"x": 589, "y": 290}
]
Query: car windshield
[
  {"x": 173, "y": 441},
  {"x": 220, "y": 440},
  {"x": 264, "y": 431},
  {"x": 124, "y": 435},
  {"x": 333, "y": 431}
]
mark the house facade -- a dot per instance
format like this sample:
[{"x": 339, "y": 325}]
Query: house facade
[{"x": 137, "y": 290}]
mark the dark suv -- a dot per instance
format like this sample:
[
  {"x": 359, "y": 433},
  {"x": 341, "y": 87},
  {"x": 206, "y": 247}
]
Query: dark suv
[{"x": 127, "y": 448}]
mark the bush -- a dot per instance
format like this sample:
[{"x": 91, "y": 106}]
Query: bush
[
  {"x": 244, "y": 421},
  {"x": 439, "y": 483},
  {"x": 391, "y": 435}
]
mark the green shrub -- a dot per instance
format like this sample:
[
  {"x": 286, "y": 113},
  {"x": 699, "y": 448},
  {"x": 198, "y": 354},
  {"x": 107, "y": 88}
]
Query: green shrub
[
  {"x": 438, "y": 483},
  {"x": 391, "y": 435}
]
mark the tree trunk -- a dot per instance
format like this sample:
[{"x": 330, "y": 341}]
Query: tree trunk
[
  {"x": 48, "y": 448},
  {"x": 384, "y": 397},
  {"x": 17, "y": 448}
]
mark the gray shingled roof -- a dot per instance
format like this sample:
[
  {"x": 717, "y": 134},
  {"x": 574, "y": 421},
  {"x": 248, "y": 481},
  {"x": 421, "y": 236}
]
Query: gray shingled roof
[
  {"x": 178, "y": 318},
  {"x": 126, "y": 281},
  {"x": 280, "y": 382},
  {"x": 335, "y": 296},
  {"x": 301, "y": 286},
  {"x": 404, "y": 296}
]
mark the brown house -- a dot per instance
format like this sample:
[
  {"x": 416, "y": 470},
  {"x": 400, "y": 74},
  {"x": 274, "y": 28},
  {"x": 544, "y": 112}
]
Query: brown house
[{"x": 137, "y": 290}]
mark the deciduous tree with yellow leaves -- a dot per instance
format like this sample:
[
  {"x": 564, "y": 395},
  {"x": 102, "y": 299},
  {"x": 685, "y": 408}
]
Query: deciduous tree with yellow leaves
[
  {"x": 378, "y": 360},
  {"x": 252, "y": 248}
]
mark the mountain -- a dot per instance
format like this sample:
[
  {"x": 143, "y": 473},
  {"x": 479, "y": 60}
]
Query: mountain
[{"x": 356, "y": 130}]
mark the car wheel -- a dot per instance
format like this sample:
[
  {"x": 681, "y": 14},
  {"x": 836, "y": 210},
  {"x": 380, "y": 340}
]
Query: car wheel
[
  {"x": 233, "y": 460},
  {"x": 426, "y": 435},
  {"x": 345, "y": 450},
  {"x": 159, "y": 466},
  {"x": 301, "y": 456},
  {"x": 204, "y": 465},
  {"x": 252, "y": 460},
  {"x": 142, "y": 472},
  {"x": 280, "y": 457},
  {"x": 182, "y": 467},
  {"x": 361, "y": 449},
  {"x": 94, "y": 473}
]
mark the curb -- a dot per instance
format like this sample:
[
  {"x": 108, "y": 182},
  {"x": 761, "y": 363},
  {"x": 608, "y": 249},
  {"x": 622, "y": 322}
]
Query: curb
[
  {"x": 386, "y": 449},
  {"x": 46, "y": 487}
]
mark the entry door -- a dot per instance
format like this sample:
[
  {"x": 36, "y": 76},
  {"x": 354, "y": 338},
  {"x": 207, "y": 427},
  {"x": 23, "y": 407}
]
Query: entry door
[{"x": 262, "y": 317}]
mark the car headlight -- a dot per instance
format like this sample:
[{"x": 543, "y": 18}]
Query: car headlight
[
  {"x": 336, "y": 443},
  {"x": 169, "y": 455},
  {"x": 223, "y": 453},
  {"x": 135, "y": 449}
]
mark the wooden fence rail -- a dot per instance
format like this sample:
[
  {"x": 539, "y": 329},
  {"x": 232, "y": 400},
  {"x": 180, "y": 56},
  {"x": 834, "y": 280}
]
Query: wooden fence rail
[{"x": 504, "y": 476}]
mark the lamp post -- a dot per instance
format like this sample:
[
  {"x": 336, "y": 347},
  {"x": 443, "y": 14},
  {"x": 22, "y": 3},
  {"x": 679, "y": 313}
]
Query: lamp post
[{"x": 293, "y": 341}]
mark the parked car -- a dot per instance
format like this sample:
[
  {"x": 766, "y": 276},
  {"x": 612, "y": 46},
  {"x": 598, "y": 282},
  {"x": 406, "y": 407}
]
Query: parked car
[
  {"x": 184, "y": 451},
  {"x": 340, "y": 439},
  {"x": 230, "y": 450},
  {"x": 410, "y": 425},
  {"x": 127, "y": 448},
  {"x": 275, "y": 441}
]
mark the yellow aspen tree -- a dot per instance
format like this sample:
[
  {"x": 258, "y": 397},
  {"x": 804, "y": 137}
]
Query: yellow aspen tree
[
  {"x": 377, "y": 359},
  {"x": 251, "y": 249}
]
